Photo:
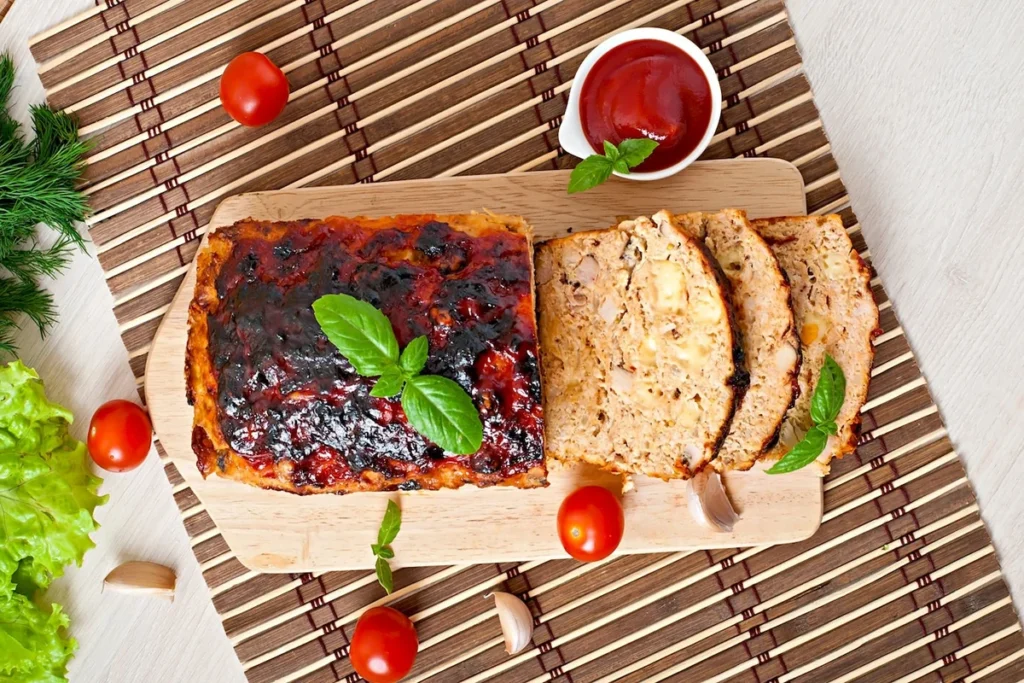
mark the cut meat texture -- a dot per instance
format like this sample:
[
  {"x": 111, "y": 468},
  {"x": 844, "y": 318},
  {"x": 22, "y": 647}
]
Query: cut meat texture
[
  {"x": 835, "y": 314},
  {"x": 771, "y": 350},
  {"x": 640, "y": 352}
]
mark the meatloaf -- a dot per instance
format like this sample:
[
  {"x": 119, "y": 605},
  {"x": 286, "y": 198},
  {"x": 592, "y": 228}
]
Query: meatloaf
[
  {"x": 761, "y": 300},
  {"x": 835, "y": 314},
  {"x": 277, "y": 406},
  {"x": 641, "y": 354}
]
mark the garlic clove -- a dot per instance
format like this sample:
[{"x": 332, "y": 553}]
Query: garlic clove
[
  {"x": 516, "y": 622},
  {"x": 709, "y": 505},
  {"x": 142, "y": 578}
]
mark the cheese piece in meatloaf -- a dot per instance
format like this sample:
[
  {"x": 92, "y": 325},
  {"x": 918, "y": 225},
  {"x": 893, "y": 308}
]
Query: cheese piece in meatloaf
[
  {"x": 771, "y": 350},
  {"x": 277, "y": 406},
  {"x": 640, "y": 353},
  {"x": 835, "y": 314}
]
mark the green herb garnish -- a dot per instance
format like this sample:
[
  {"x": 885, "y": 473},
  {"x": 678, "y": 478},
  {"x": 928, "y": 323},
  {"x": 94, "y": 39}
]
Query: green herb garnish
[
  {"x": 435, "y": 406},
  {"x": 389, "y": 528},
  {"x": 597, "y": 168},
  {"x": 37, "y": 185},
  {"x": 828, "y": 397}
]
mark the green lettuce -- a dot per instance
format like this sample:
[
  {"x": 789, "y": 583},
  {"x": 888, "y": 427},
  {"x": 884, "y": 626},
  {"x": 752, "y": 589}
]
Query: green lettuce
[
  {"x": 32, "y": 645},
  {"x": 47, "y": 494},
  {"x": 47, "y": 499}
]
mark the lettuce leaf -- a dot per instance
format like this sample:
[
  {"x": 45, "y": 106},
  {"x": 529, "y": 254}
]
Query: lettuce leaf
[
  {"x": 28, "y": 422},
  {"x": 47, "y": 493},
  {"x": 32, "y": 642}
]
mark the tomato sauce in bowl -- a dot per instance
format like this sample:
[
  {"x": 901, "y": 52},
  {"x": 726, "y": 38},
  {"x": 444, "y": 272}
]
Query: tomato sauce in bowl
[{"x": 647, "y": 88}]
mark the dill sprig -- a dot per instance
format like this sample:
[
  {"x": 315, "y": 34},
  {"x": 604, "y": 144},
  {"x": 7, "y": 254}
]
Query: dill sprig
[{"x": 38, "y": 182}]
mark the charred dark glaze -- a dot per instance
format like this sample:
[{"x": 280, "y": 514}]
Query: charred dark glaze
[{"x": 284, "y": 392}]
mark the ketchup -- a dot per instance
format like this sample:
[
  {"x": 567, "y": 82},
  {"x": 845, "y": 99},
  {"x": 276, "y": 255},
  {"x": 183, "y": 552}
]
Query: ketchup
[{"x": 647, "y": 88}]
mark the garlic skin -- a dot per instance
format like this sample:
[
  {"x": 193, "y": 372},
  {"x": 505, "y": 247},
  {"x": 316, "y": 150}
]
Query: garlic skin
[
  {"x": 516, "y": 622},
  {"x": 142, "y": 578},
  {"x": 709, "y": 505}
]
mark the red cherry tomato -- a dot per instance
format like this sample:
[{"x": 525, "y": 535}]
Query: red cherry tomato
[
  {"x": 384, "y": 645},
  {"x": 590, "y": 523},
  {"x": 120, "y": 435},
  {"x": 253, "y": 90}
]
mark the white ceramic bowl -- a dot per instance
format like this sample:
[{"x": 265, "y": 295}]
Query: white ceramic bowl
[{"x": 570, "y": 134}]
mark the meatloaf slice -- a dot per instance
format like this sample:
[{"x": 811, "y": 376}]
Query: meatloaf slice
[
  {"x": 640, "y": 352},
  {"x": 835, "y": 315},
  {"x": 771, "y": 350}
]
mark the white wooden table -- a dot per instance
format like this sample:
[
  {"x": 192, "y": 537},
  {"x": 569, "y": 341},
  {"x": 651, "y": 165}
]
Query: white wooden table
[{"x": 922, "y": 100}]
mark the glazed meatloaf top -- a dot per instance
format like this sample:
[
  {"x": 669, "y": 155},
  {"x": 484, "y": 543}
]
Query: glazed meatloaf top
[{"x": 277, "y": 406}]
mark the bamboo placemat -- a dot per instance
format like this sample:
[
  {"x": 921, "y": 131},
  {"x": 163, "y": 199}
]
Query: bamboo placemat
[{"x": 901, "y": 582}]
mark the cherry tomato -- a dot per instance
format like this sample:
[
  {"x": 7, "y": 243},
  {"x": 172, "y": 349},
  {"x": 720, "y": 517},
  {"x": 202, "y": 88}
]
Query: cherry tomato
[
  {"x": 384, "y": 645},
  {"x": 253, "y": 90},
  {"x": 120, "y": 435},
  {"x": 590, "y": 523}
]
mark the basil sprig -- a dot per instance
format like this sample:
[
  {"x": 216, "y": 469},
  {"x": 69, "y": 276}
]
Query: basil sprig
[
  {"x": 436, "y": 407},
  {"x": 829, "y": 394},
  {"x": 389, "y": 528},
  {"x": 597, "y": 168}
]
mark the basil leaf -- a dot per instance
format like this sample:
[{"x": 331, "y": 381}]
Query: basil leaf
[
  {"x": 635, "y": 150},
  {"x": 414, "y": 356},
  {"x": 388, "y": 532},
  {"x": 361, "y": 332},
  {"x": 830, "y": 427},
  {"x": 440, "y": 410},
  {"x": 589, "y": 173},
  {"x": 384, "y": 577},
  {"x": 389, "y": 384},
  {"x": 390, "y": 525},
  {"x": 610, "y": 151},
  {"x": 620, "y": 165},
  {"x": 802, "y": 454},
  {"x": 829, "y": 393}
]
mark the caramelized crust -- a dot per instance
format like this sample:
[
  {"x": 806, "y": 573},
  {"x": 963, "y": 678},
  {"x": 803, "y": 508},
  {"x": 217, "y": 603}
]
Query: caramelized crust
[{"x": 277, "y": 406}]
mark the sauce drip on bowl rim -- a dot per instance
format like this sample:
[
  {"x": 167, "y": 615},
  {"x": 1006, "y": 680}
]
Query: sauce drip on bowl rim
[{"x": 647, "y": 88}]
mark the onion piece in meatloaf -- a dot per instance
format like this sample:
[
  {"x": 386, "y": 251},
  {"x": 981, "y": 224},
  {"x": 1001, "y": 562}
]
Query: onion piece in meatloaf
[
  {"x": 640, "y": 355},
  {"x": 835, "y": 314}
]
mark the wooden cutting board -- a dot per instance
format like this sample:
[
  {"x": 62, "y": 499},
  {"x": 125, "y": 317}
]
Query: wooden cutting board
[{"x": 279, "y": 532}]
